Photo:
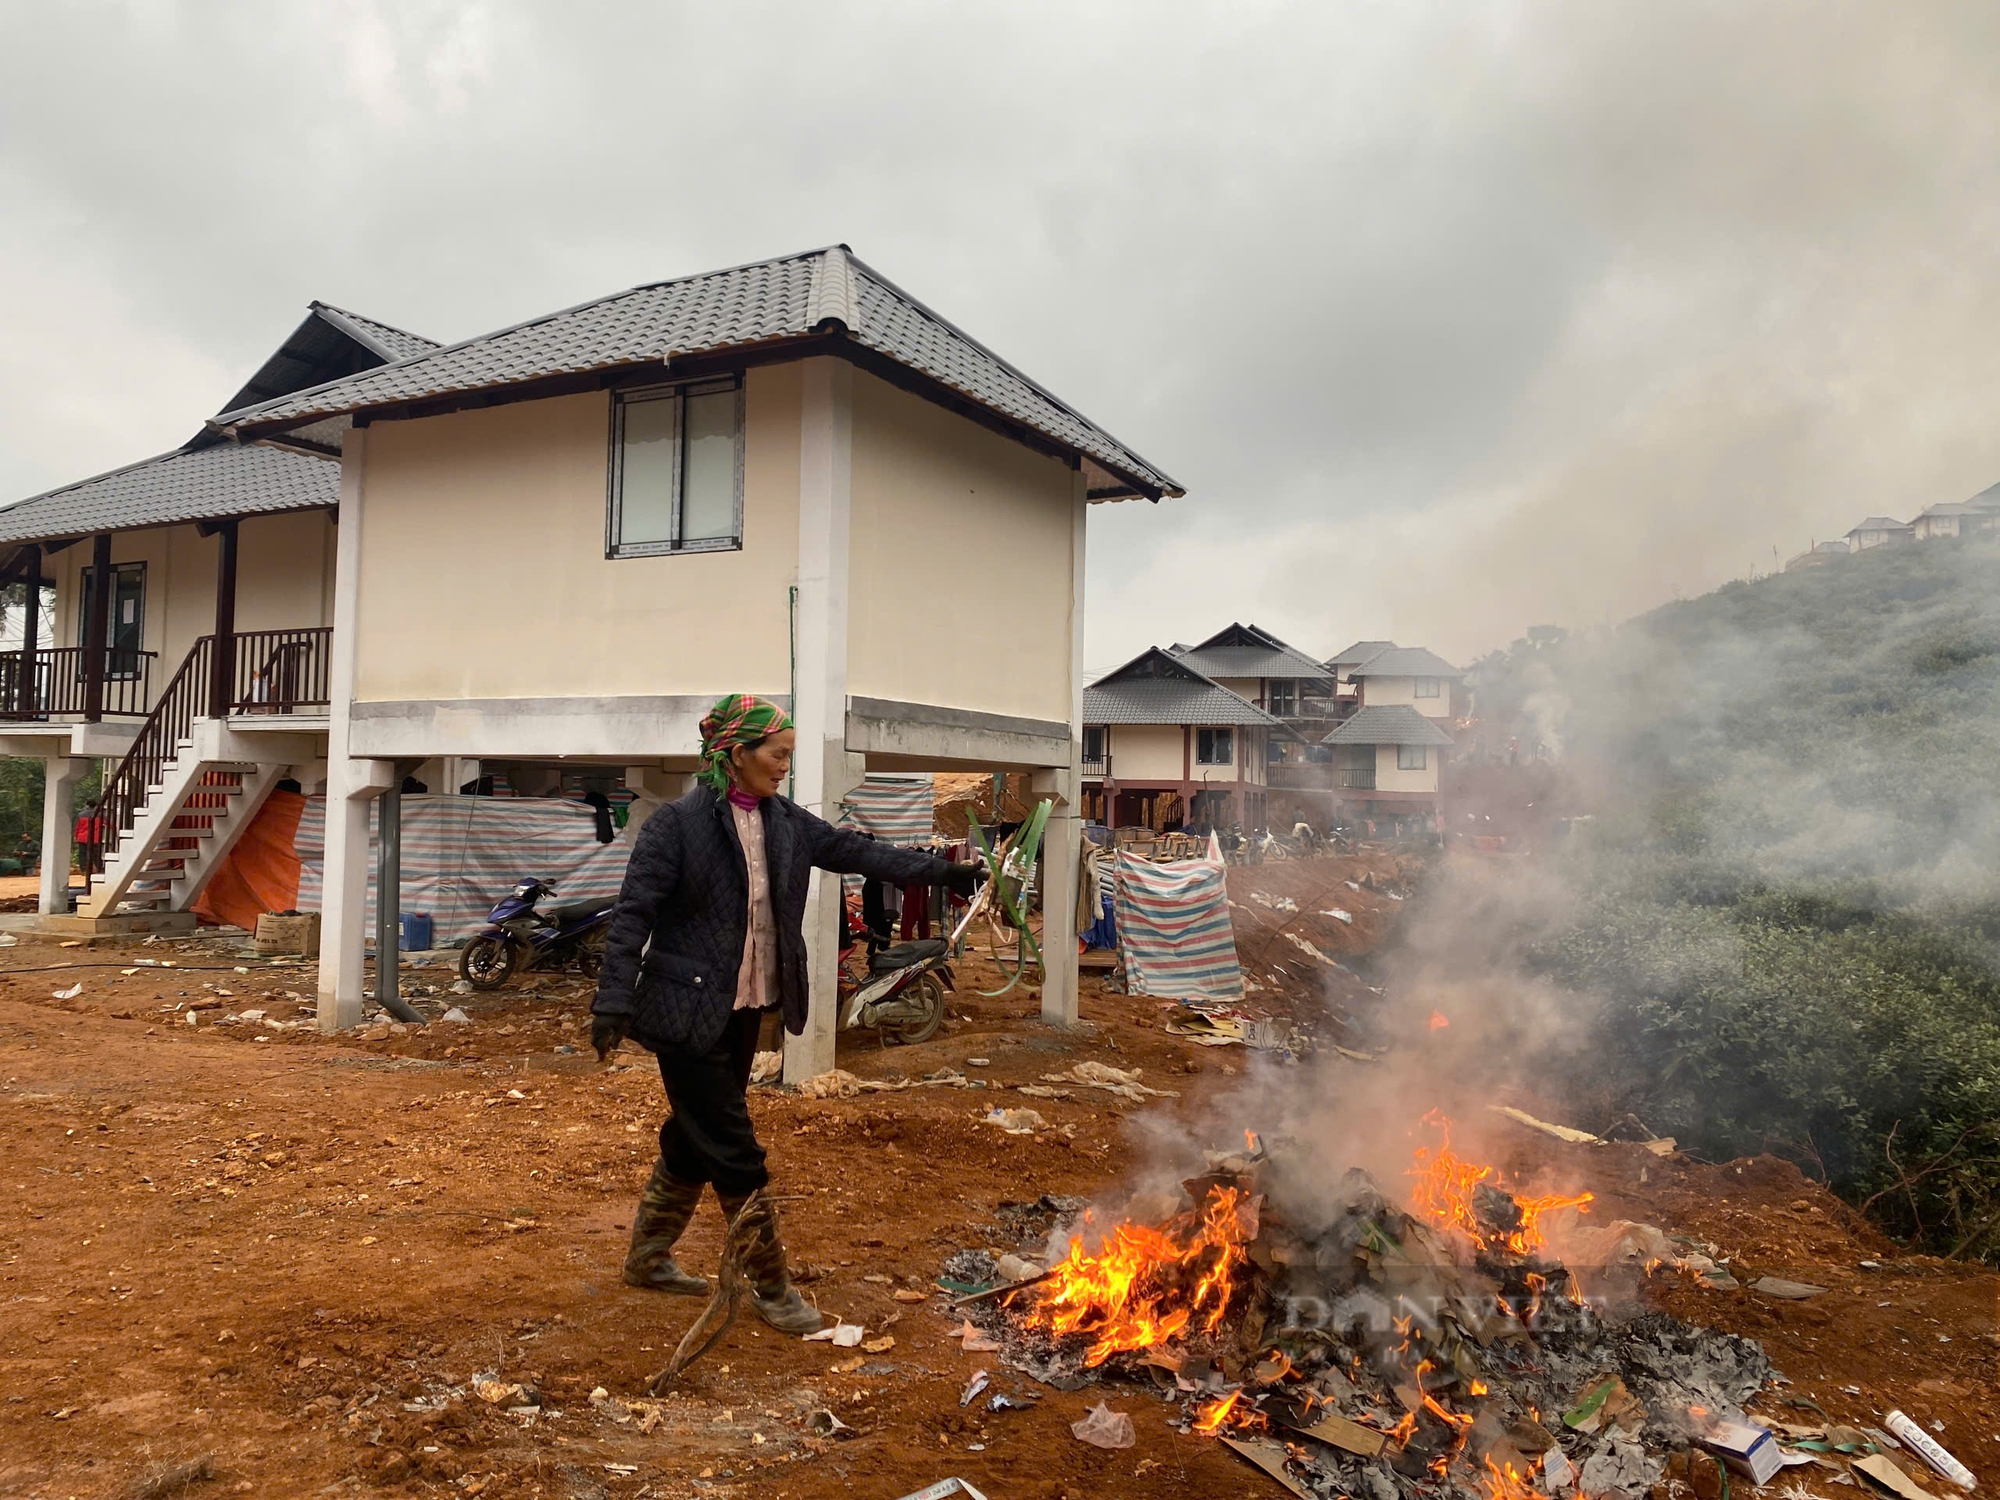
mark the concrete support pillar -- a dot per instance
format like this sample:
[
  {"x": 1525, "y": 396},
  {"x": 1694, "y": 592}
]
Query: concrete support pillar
[
  {"x": 350, "y": 784},
  {"x": 60, "y": 776},
  {"x": 822, "y": 771},
  {"x": 1059, "y": 843}
]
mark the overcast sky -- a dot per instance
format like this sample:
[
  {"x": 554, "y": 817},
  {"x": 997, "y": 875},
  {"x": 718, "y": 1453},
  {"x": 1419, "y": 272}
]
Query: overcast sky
[{"x": 1452, "y": 319}]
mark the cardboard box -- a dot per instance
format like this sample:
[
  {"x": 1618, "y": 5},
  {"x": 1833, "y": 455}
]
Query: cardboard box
[
  {"x": 1746, "y": 1449},
  {"x": 288, "y": 933}
]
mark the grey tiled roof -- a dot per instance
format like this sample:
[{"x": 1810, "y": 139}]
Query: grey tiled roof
[
  {"x": 390, "y": 343},
  {"x": 1881, "y": 523},
  {"x": 764, "y": 303},
  {"x": 1155, "y": 688},
  {"x": 1390, "y": 724},
  {"x": 1246, "y": 651},
  {"x": 185, "y": 485},
  {"x": 1406, "y": 661},
  {"x": 1160, "y": 702},
  {"x": 1359, "y": 652}
]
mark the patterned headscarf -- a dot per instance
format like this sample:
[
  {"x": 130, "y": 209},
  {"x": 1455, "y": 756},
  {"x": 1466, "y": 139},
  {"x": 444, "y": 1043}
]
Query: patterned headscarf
[{"x": 739, "y": 719}]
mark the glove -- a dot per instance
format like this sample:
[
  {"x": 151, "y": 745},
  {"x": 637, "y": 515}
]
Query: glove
[
  {"x": 606, "y": 1032},
  {"x": 963, "y": 880}
]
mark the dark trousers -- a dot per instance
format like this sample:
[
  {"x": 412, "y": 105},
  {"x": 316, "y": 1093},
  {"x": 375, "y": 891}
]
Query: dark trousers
[{"x": 708, "y": 1136}]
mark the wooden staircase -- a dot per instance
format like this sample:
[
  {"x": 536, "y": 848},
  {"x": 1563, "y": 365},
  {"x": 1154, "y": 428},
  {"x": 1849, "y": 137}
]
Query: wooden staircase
[{"x": 183, "y": 796}]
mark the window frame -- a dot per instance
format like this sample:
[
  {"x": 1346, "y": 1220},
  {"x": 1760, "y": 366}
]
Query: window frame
[
  {"x": 1282, "y": 695},
  {"x": 614, "y": 509},
  {"x": 1428, "y": 687},
  {"x": 1228, "y": 731},
  {"x": 1421, "y": 752},
  {"x": 1102, "y": 743},
  {"x": 135, "y": 653}
]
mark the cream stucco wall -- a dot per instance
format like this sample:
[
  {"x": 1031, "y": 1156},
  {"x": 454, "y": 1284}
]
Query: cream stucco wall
[
  {"x": 483, "y": 572},
  {"x": 1389, "y": 779},
  {"x": 284, "y": 580},
  {"x": 1249, "y": 689},
  {"x": 1145, "y": 752},
  {"x": 1388, "y": 691},
  {"x": 957, "y": 535}
]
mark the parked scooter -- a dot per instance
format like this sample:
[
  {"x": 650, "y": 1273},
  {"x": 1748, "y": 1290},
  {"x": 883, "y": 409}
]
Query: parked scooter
[{"x": 523, "y": 938}]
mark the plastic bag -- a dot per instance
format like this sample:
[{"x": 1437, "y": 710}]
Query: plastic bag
[{"x": 1102, "y": 1427}]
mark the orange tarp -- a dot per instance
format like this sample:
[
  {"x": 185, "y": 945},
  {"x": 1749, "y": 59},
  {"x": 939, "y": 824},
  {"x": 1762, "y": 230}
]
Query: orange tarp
[{"x": 262, "y": 872}]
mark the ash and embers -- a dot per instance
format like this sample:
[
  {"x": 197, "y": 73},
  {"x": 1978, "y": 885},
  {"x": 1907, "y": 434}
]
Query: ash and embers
[{"x": 1453, "y": 1346}]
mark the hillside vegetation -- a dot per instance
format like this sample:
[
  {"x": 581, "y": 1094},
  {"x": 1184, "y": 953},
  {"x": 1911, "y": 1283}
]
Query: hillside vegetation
[{"x": 1785, "y": 911}]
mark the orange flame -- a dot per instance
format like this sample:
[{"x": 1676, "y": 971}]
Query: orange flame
[
  {"x": 1145, "y": 1286},
  {"x": 1439, "y": 1020},
  {"x": 1227, "y": 1411},
  {"x": 1507, "y": 1483},
  {"x": 1443, "y": 1188}
]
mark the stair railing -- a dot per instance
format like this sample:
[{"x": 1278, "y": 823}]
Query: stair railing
[{"x": 127, "y": 789}]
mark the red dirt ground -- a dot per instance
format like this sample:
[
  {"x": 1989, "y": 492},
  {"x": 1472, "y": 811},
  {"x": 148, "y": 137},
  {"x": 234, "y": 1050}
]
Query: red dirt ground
[{"x": 261, "y": 1251}]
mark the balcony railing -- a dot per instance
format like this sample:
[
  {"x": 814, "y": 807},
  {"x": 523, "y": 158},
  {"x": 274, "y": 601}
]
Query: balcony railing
[
  {"x": 1354, "y": 778},
  {"x": 1306, "y": 776},
  {"x": 1099, "y": 765},
  {"x": 282, "y": 671},
  {"x": 50, "y": 683}
]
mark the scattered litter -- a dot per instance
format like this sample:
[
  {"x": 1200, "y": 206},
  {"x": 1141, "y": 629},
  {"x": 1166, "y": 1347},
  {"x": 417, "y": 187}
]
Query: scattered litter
[
  {"x": 621, "y": 1468},
  {"x": 497, "y": 1392},
  {"x": 1017, "y": 1268},
  {"x": 1043, "y": 1091},
  {"x": 838, "y": 1083},
  {"x": 1307, "y": 946},
  {"x": 880, "y": 1346},
  {"x": 173, "y": 1479},
  {"x": 823, "y": 1423},
  {"x": 1605, "y": 1404},
  {"x": 840, "y": 1335},
  {"x": 910, "y": 1295},
  {"x": 979, "y": 1062},
  {"x": 767, "y": 1067},
  {"x": 72, "y": 943},
  {"x": 1339, "y": 916},
  {"x": 1349, "y": 1437},
  {"x": 8, "y": 940},
  {"x": 1789, "y": 1291},
  {"x": 1102, "y": 1427},
  {"x": 71, "y": 993},
  {"x": 1556, "y": 1471},
  {"x": 1003, "y": 1402},
  {"x": 1746, "y": 1449},
  {"x": 973, "y": 1340},
  {"x": 1208, "y": 1030},
  {"x": 460, "y": 987},
  {"x": 1560, "y": 1132},
  {"x": 1276, "y": 903},
  {"x": 1014, "y": 1121},
  {"x": 944, "y": 1489},
  {"x": 1929, "y": 1450},
  {"x": 1118, "y": 1081},
  {"x": 456, "y": 1016},
  {"x": 979, "y": 1381},
  {"x": 1885, "y": 1471},
  {"x": 1270, "y": 1457}
]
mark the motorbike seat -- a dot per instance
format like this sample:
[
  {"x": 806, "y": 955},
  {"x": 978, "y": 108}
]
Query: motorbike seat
[
  {"x": 903, "y": 955},
  {"x": 578, "y": 911}
]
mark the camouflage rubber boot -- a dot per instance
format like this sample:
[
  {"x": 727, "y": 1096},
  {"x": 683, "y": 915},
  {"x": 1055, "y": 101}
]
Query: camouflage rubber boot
[
  {"x": 777, "y": 1301},
  {"x": 664, "y": 1210}
]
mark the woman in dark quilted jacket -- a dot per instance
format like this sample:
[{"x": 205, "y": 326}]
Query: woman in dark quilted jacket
[{"x": 708, "y": 937}]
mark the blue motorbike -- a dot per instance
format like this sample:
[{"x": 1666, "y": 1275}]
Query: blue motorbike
[{"x": 523, "y": 937}]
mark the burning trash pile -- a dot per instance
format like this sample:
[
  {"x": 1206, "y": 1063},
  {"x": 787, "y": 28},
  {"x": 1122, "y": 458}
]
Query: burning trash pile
[{"x": 1352, "y": 1346}]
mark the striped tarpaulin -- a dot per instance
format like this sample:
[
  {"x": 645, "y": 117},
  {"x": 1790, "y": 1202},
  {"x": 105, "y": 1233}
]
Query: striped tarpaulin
[
  {"x": 897, "y": 809},
  {"x": 1174, "y": 930},
  {"x": 462, "y": 854}
]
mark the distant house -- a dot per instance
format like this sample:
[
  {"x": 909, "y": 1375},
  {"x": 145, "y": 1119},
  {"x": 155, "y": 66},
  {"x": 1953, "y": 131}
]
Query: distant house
[
  {"x": 1167, "y": 746},
  {"x": 1385, "y": 764},
  {"x": 1978, "y": 516},
  {"x": 1879, "y": 531},
  {"x": 1343, "y": 665},
  {"x": 1820, "y": 555},
  {"x": 1409, "y": 676},
  {"x": 1258, "y": 667}
]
